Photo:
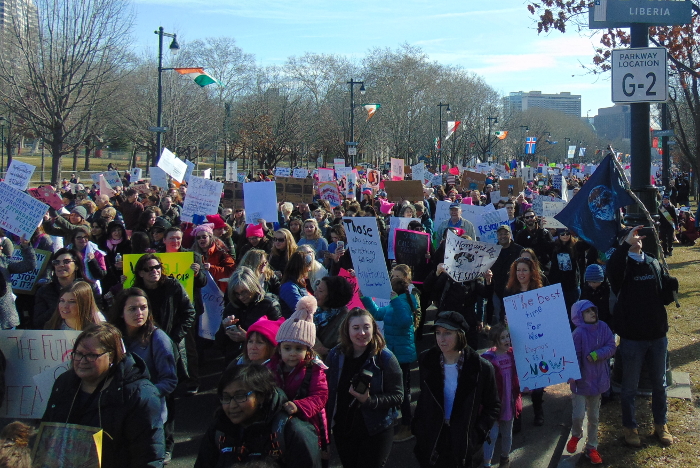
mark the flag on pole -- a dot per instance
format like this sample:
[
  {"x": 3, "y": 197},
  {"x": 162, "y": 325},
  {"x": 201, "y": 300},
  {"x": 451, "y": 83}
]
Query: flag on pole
[
  {"x": 371, "y": 109},
  {"x": 572, "y": 152},
  {"x": 199, "y": 76},
  {"x": 530, "y": 145},
  {"x": 582, "y": 152},
  {"x": 437, "y": 144},
  {"x": 501, "y": 135},
  {"x": 452, "y": 126}
]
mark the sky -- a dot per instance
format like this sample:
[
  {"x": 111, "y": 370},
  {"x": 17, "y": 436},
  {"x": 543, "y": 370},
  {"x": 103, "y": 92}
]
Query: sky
[{"x": 497, "y": 40}]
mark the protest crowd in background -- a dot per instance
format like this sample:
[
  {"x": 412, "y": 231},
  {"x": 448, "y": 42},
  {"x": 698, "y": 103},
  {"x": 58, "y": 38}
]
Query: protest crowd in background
[{"x": 315, "y": 288}]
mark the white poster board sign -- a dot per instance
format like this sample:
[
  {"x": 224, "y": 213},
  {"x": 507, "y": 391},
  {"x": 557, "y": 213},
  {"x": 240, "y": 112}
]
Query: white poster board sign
[
  {"x": 34, "y": 359},
  {"x": 283, "y": 172},
  {"x": 20, "y": 213},
  {"x": 189, "y": 171},
  {"x": 135, "y": 174},
  {"x": 397, "y": 169},
  {"x": 300, "y": 173},
  {"x": 472, "y": 213},
  {"x": 172, "y": 165},
  {"x": 159, "y": 178},
  {"x": 213, "y": 300},
  {"x": 364, "y": 242},
  {"x": 325, "y": 175},
  {"x": 442, "y": 212},
  {"x": 394, "y": 224},
  {"x": 203, "y": 198},
  {"x": 112, "y": 178},
  {"x": 418, "y": 172},
  {"x": 549, "y": 211},
  {"x": 541, "y": 337},
  {"x": 260, "y": 200},
  {"x": 437, "y": 179},
  {"x": 19, "y": 174},
  {"x": 342, "y": 171},
  {"x": 337, "y": 162},
  {"x": 491, "y": 220},
  {"x": 466, "y": 260}
]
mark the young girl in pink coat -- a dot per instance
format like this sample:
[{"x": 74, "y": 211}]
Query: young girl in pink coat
[{"x": 299, "y": 372}]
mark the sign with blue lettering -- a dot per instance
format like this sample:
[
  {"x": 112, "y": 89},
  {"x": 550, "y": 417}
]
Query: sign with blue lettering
[
  {"x": 639, "y": 75},
  {"x": 621, "y": 13}
]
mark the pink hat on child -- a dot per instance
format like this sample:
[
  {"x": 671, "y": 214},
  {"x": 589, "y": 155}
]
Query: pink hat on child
[
  {"x": 300, "y": 327},
  {"x": 267, "y": 328}
]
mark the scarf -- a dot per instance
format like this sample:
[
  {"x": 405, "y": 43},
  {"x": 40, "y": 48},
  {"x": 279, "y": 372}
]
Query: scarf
[{"x": 112, "y": 244}]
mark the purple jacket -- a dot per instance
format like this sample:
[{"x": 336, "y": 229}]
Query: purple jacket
[{"x": 589, "y": 337}]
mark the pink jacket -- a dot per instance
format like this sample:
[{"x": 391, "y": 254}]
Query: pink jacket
[
  {"x": 490, "y": 356},
  {"x": 312, "y": 408}
]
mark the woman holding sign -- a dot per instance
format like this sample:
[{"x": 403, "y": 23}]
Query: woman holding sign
[
  {"x": 525, "y": 276},
  {"x": 9, "y": 318}
]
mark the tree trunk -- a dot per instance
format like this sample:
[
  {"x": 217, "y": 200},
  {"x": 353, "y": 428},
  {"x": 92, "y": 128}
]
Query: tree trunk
[
  {"x": 55, "y": 163},
  {"x": 88, "y": 150},
  {"x": 75, "y": 158}
]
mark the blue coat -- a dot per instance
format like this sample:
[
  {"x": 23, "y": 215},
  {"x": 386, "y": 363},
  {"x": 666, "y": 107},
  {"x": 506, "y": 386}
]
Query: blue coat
[{"x": 398, "y": 325}]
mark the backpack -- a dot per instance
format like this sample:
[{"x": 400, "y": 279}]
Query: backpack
[{"x": 263, "y": 446}]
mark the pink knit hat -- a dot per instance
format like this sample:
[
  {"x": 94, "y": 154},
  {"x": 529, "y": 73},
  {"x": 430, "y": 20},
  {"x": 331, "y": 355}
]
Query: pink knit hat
[
  {"x": 254, "y": 230},
  {"x": 207, "y": 227},
  {"x": 385, "y": 207},
  {"x": 467, "y": 201},
  {"x": 267, "y": 328},
  {"x": 300, "y": 327}
]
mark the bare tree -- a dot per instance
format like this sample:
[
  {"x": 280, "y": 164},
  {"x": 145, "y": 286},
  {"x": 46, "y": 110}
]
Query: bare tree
[{"x": 58, "y": 65}]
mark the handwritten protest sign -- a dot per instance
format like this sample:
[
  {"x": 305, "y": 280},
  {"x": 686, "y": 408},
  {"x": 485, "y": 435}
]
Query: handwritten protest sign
[
  {"x": 490, "y": 222},
  {"x": 300, "y": 173},
  {"x": 233, "y": 196},
  {"x": 472, "y": 213},
  {"x": 397, "y": 169},
  {"x": 30, "y": 354},
  {"x": 355, "y": 301},
  {"x": 158, "y": 177},
  {"x": 325, "y": 175},
  {"x": 135, "y": 174},
  {"x": 203, "y": 197},
  {"x": 442, "y": 212},
  {"x": 410, "y": 247},
  {"x": 337, "y": 162},
  {"x": 172, "y": 165},
  {"x": 364, "y": 241},
  {"x": 19, "y": 174},
  {"x": 542, "y": 343},
  {"x": 473, "y": 180},
  {"x": 418, "y": 172},
  {"x": 213, "y": 300},
  {"x": 549, "y": 211},
  {"x": 189, "y": 171},
  {"x": 175, "y": 265},
  {"x": 394, "y": 224},
  {"x": 105, "y": 188},
  {"x": 26, "y": 283},
  {"x": 112, "y": 178},
  {"x": 142, "y": 188},
  {"x": 20, "y": 213},
  {"x": 342, "y": 171},
  {"x": 260, "y": 201},
  {"x": 466, "y": 260},
  {"x": 537, "y": 203},
  {"x": 60, "y": 444},
  {"x": 46, "y": 194},
  {"x": 329, "y": 192},
  {"x": 283, "y": 172}
]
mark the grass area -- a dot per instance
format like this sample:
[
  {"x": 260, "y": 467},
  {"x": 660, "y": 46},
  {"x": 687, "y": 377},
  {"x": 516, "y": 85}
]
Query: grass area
[{"x": 683, "y": 415}]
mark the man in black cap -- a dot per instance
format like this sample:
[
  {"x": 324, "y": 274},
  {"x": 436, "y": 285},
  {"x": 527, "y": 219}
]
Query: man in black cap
[
  {"x": 456, "y": 221},
  {"x": 510, "y": 251}
]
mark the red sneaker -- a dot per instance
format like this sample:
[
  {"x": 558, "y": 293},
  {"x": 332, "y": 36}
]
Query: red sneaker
[
  {"x": 593, "y": 456},
  {"x": 572, "y": 444}
]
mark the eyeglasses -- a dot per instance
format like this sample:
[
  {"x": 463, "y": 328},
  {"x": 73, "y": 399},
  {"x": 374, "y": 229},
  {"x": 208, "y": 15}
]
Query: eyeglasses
[
  {"x": 80, "y": 237},
  {"x": 238, "y": 398},
  {"x": 149, "y": 269},
  {"x": 66, "y": 261},
  {"x": 91, "y": 357},
  {"x": 279, "y": 239},
  {"x": 203, "y": 236},
  {"x": 530, "y": 217}
]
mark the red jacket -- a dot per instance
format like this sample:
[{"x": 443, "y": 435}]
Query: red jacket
[{"x": 221, "y": 264}]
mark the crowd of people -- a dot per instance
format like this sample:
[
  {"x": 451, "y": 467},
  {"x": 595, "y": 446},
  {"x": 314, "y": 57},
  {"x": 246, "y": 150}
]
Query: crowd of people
[{"x": 301, "y": 363}]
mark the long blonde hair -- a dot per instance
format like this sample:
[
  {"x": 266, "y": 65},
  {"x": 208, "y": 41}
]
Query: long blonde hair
[
  {"x": 289, "y": 242},
  {"x": 88, "y": 312}
]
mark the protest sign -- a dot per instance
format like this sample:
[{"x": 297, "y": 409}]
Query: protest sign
[
  {"x": 20, "y": 213},
  {"x": 373, "y": 178},
  {"x": 325, "y": 175},
  {"x": 466, "y": 260},
  {"x": 509, "y": 187},
  {"x": 213, "y": 300},
  {"x": 489, "y": 224},
  {"x": 231, "y": 171},
  {"x": 26, "y": 283},
  {"x": 203, "y": 197},
  {"x": 342, "y": 171},
  {"x": 300, "y": 173},
  {"x": 34, "y": 359},
  {"x": 189, "y": 171},
  {"x": 112, "y": 178},
  {"x": 473, "y": 180},
  {"x": 283, "y": 172},
  {"x": 19, "y": 174},
  {"x": 558, "y": 181},
  {"x": 233, "y": 196},
  {"x": 141, "y": 188},
  {"x": 105, "y": 188},
  {"x": 329, "y": 192},
  {"x": 442, "y": 212},
  {"x": 541, "y": 337},
  {"x": 294, "y": 190},
  {"x": 527, "y": 173},
  {"x": 397, "y": 191},
  {"x": 496, "y": 196},
  {"x": 46, "y": 194},
  {"x": 410, "y": 247},
  {"x": 501, "y": 171},
  {"x": 549, "y": 211},
  {"x": 135, "y": 174},
  {"x": 62, "y": 445},
  {"x": 260, "y": 201},
  {"x": 364, "y": 241},
  {"x": 158, "y": 177},
  {"x": 418, "y": 172},
  {"x": 355, "y": 301},
  {"x": 175, "y": 265},
  {"x": 394, "y": 224},
  {"x": 397, "y": 169},
  {"x": 242, "y": 177},
  {"x": 337, "y": 162},
  {"x": 484, "y": 168},
  {"x": 537, "y": 203},
  {"x": 172, "y": 165},
  {"x": 436, "y": 180},
  {"x": 472, "y": 213}
]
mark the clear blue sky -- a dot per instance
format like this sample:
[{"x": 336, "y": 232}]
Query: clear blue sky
[{"x": 496, "y": 39}]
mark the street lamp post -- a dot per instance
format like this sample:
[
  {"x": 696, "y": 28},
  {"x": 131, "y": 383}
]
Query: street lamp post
[
  {"x": 566, "y": 149},
  {"x": 549, "y": 135},
  {"x": 523, "y": 131},
  {"x": 447, "y": 111},
  {"x": 174, "y": 47},
  {"x": 2, "y": 139},
  {"x": 352, "y": 145},
  {"x": 488, "y": 151}
]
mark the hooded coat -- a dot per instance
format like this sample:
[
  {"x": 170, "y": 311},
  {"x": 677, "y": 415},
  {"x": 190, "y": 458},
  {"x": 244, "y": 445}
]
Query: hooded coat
[
  {"x": 591, "y": 338},
  {"x": 398, "y": 325}
]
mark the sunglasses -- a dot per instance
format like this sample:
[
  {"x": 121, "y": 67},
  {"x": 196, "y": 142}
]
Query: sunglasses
[
  {"x": 149, "y": 269},
  {"x": 66, "y": 261},
  {"x": 204, "y": 236},
  {"x": 529, "y": 217},
  {"x": 280, "y": 240}
]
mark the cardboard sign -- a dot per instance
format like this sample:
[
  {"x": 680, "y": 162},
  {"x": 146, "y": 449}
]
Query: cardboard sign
[
  {"x": 410, "y": 247},
  {"x": 19, "y": 174},
  {"x": 364, "y": 242},
  {"x": 20, "y": 213},
  {"x": 260, "y": 201},
  {"x": 172, "y": 165},
  {"x": 466, "y": 260},
  {"x": 46, "y": 194},
  {"x": 473, "y": 180},
  {"x": 25, "y": 283},
  {"x": 329, "y": 191},
  {"x": 142, "y": 188},
  {"x": 233, "y": 196},
  {"x": 509, "y": 187},
  {"x": 203, "y": 197},
  {"x": 34, "y": 359},
  {"x": 542, "y": 342},
  {"x": 397, "y": 191},
  {"x": 175, "y": 265},
  {"x": 294, "y": 190},
  {"x": 213, "y": 300}
]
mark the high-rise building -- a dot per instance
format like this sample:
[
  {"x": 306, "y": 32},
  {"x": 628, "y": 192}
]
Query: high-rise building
[
  {"x": 564, "y": 102},
  {"x": 24, "y": 13},
  {"x": 614, "y": 122}
]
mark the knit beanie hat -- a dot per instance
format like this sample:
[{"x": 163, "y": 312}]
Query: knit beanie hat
[
  {"x": 254, "y": 230},
  {"x": 80, "y": 211},
  {"x": 300, "y": 327},
  {"x": 267, "y": 328},
  {"x": 217, "y": 221},
  {"x": 385, "y": 207},
  {"x": 207, "y": 227},
  {"x": 594, "y": 273}
]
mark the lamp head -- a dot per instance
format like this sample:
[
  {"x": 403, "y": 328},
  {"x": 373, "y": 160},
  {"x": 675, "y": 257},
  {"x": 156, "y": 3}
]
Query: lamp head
[
  {"x": 362, "y": 89},
  {"x": 448, "y": 109},
  {"x": 174, "y": 46}
]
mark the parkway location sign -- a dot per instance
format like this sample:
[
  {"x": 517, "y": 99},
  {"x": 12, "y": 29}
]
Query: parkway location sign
[{"x": 639, "y": 75}]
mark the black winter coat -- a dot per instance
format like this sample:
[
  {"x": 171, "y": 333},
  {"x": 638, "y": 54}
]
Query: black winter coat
[
  {"x": 176, "y": 314},
  {"x": 501, "y": 269},
  {"x": 129, "y": 407},
  {"x": 476, "y": 407}
]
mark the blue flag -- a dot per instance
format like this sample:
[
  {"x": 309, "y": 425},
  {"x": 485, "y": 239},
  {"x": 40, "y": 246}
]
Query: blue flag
[
  {"x": 530, "y": 145},
  {"x": 594, "y": 212}
]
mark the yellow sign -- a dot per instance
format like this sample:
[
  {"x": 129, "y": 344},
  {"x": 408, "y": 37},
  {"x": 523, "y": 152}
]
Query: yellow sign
[{"x": 176, "y": 265}]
